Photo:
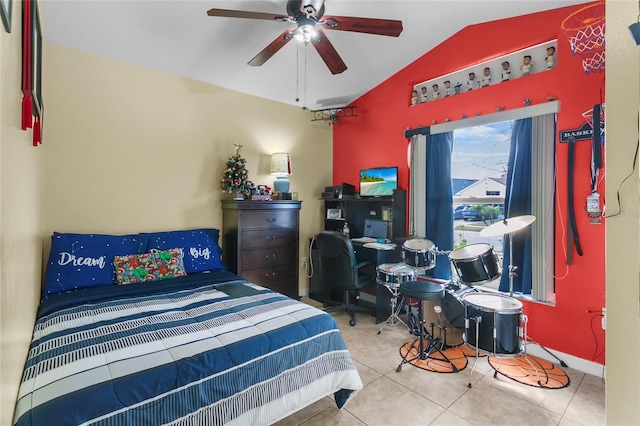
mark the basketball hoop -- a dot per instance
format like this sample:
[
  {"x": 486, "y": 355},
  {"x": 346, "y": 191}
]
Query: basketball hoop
[{"x": 585, "y": 30}]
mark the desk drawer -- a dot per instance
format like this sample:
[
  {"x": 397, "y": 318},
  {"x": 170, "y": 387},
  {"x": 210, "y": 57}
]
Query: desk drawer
[
  {"x": 269, "y": 219},
  {"x": 267, "y": 257},
  {"x": 270, "y": 238}
]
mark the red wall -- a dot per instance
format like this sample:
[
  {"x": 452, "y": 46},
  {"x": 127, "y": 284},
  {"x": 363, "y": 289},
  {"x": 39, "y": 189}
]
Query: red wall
[{"x": 376, "y": 138}]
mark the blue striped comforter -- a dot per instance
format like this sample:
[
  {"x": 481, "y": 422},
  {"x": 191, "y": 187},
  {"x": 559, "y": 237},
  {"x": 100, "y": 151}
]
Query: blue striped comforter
[{"x": 194, "y": 351}]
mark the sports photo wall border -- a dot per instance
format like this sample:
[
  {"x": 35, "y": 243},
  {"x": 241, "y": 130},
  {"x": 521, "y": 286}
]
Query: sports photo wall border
[{"x": 531, "y": 60}]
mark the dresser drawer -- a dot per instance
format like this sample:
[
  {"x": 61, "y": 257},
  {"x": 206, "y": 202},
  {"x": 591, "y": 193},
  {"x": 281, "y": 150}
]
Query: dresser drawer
[
  {"x": 267, "y": 257},
  {"x": 269, "y": 219},
  {"x": 271, "y": 275},
  {"x": 270, "y": 238}
]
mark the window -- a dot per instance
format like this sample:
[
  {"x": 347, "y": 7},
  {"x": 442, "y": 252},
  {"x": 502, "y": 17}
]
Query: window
[{"x": 542, "y": 187}]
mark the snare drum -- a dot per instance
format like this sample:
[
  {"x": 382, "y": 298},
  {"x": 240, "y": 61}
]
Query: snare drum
[
  {"x": 419, "y": 253},
  {"x": 496, "y": 318},
  {"x": 475, "y": 263},
  {"x": 394, "y": 274}
]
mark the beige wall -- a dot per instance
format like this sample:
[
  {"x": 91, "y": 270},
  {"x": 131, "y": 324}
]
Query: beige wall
[
  {"x": 131, "y": 149},
  {"x": 623, "y": 294},
  {"x": 21, "y": 189}
]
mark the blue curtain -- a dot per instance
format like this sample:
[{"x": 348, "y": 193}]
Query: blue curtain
[
  {"x": 439, "y": 212},
  {"x": 517, "y": 203}
]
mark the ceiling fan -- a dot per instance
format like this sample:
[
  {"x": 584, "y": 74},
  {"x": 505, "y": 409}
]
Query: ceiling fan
[{"x": 308, "y": 15}]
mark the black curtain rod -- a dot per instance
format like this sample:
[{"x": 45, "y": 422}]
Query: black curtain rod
[{"x": 417, "y": 131}]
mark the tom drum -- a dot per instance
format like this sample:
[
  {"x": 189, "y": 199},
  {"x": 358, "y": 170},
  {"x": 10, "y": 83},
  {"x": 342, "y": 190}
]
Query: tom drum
[
  {"x": 419, "y": 253},
  {"x": 492, "y": 323},
  {"x": 475, "y": 263}
]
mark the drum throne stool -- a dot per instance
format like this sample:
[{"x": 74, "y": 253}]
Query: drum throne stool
[{"x": 427, "y": 343}]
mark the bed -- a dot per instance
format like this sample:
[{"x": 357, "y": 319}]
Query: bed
[{"x": 196, "y": 346}]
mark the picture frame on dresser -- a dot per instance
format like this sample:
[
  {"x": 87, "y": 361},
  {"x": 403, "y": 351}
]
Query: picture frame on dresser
[{"x": 6, "y": 8}]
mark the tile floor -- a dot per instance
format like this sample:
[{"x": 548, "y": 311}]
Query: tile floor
[{"x": 418, "y": 397}]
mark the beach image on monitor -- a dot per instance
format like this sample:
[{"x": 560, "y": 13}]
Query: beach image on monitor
[{"x": 378, "y": 182}]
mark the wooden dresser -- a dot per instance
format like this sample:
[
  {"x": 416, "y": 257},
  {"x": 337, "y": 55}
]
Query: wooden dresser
[{"x": 260, "y": 242}]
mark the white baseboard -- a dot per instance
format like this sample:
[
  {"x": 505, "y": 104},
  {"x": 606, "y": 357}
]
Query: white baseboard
[{"x": 574, "y": 362}]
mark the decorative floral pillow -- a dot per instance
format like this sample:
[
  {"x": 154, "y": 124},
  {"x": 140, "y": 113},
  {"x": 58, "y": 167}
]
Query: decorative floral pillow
[{"x": 152, "y": 266}]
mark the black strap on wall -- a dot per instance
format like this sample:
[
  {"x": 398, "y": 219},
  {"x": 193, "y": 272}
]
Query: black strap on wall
[
  {"x": 596, "y": 148},
  {"x": 573, "y": 237}
]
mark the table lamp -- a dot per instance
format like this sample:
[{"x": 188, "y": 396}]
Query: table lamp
[{"x": 281, "y": 168}]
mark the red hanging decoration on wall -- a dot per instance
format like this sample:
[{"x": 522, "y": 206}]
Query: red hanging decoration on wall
[{"x": 27, "y": 101}]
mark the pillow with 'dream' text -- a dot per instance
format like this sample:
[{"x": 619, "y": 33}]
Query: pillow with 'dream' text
[
  {"x": 200, "y": 247},
  {"x": 86, "y": 260}
]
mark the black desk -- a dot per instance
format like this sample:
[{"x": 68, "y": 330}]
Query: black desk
[
  {"x": 376, "y": 256},
  {"x": 319, "y": 292},
  {"x": 379, "y": 257}
]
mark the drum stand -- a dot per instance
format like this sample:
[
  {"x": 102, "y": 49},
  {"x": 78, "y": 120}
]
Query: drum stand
[
  {"x": 394, "y": 319},
  {"x": 477, "y": 320}
]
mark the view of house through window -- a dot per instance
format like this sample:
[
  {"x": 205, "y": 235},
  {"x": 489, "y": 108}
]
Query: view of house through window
[{"x": 479, "y": 160}]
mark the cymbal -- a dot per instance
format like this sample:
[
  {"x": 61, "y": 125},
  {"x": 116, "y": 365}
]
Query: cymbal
[{"x": 507, "y": 226}]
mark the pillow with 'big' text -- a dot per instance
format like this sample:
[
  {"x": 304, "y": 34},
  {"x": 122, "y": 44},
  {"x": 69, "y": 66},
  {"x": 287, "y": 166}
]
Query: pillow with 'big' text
[{"x": 200, "y": 247}]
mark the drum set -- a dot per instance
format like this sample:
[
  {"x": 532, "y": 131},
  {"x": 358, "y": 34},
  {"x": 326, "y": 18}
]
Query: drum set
[{"x": 492, "y": 323}]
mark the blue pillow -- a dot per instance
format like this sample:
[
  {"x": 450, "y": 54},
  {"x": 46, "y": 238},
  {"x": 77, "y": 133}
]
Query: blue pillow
[
  {"x": 200, "y": 247},
  {"x": 86, "y": 260}
]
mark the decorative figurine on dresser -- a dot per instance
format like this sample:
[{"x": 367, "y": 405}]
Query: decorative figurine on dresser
[
  {"x": 423, "y": 94},
  {"x": 486, "y": 78},
  {"x": 260, "y": 242}
]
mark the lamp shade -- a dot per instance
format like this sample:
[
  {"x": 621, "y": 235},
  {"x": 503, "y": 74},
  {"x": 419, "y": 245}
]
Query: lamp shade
[
  {"x": 281, "y": 168},
  {"x": 280, "y": 164}
]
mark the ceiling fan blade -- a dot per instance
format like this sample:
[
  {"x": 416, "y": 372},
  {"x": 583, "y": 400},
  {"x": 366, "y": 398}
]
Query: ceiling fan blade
[
  {"x": 272, "y": 48},
  {"x": 386, "y": 27},
  {"x": 244, "y": 14},
  {"x": 328, "y": 53}
]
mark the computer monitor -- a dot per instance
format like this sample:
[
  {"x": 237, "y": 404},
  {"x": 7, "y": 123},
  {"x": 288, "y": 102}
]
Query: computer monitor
[{"x": 375, "y": 228}]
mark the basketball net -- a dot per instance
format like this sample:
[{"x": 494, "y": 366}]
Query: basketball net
[{"x": 585, "y": 29}]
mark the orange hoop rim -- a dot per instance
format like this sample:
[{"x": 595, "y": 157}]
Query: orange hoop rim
[{"x": 579, "y": 22}]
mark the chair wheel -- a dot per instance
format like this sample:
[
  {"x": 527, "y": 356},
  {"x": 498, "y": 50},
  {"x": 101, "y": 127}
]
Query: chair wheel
[{"x": 352, "y": 322}]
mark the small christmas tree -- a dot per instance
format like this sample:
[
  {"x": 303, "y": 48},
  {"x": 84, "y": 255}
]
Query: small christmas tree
[{"x": 235, "y": 177}]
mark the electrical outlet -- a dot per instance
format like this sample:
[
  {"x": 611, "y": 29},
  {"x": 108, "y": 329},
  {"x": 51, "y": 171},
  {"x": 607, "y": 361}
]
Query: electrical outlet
[
  {"x": 604, "y": 318},
  {"x": 303, "y": 263}
]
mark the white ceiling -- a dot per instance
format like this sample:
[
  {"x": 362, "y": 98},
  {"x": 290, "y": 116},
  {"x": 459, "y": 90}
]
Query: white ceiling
[{"x": 178, "y": 37}]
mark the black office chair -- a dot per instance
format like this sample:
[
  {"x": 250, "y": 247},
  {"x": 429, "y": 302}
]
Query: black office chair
[{"x": 339, "y": 270}]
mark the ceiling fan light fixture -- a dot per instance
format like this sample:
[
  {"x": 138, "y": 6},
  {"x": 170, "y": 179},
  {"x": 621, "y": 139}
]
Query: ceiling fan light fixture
[{"x": 306, "y": 33}]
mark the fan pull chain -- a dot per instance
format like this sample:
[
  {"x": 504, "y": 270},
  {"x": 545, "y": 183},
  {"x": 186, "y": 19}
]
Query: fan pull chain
[{"x": 297, "y": 73}]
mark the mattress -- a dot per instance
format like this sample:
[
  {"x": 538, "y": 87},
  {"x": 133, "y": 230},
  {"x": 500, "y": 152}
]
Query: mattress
[{"x": 209, "y": 348}]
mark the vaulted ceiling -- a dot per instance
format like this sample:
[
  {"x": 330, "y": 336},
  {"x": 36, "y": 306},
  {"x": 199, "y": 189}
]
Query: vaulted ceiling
[{"x": 178, "y": 37}]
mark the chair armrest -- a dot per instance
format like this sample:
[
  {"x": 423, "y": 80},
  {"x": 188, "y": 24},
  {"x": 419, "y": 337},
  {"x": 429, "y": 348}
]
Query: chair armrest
[{"x": 361, "y": 264}]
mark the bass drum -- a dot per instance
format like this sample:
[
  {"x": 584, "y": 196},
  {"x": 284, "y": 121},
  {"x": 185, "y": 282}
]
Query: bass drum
[
  {"x": 452, "y": 304},
  {"x": 450, "y": 335}
]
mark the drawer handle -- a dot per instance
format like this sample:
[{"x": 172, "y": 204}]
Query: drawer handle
[
  {"x": 271, "y": 275},
  {"x": 271, "y": 237},
  {"x": 271, "y": 219},
  {"x": 270, "y": 256}
]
